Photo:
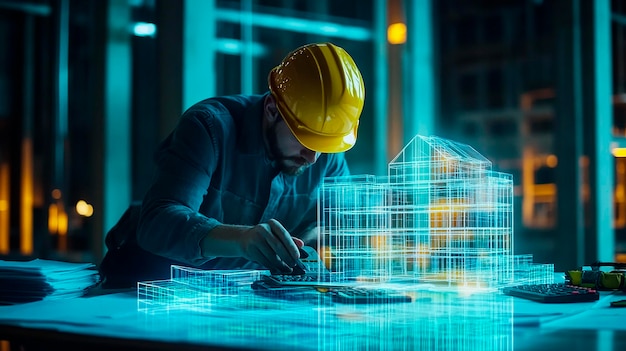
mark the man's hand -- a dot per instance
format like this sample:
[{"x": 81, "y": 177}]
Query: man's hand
[
  {"x": 271, "y": 245},
  {"x": 268, "y": 244}
]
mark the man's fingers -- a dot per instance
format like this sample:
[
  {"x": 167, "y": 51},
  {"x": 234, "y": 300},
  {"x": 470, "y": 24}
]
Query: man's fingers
[
  {"x": 298, "y": 241},
  {"x": 273, "y": 249},
  {"x": 266, "y": 257},
  {"x": 287, "y": 245}
]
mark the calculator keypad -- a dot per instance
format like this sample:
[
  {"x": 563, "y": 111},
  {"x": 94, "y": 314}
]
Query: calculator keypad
[{"x": 553, "y": 293}]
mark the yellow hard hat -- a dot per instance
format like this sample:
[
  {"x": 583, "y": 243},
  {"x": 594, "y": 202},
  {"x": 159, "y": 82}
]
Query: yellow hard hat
[{"x": 319, "y": 92}]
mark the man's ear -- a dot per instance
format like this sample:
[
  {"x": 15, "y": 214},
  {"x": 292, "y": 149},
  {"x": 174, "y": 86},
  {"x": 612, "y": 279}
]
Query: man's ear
[{"x": 270, "y": 110}]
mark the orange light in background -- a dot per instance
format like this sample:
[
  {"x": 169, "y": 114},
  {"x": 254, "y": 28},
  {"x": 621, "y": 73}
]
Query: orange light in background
[
  {"x": 396, "y": 33},
  {"x": 619, "y": 196},
  {"x": 4, "y": 208},
  {"x": 53, "y": 218},
  {"x": 539, "y": 200},
  {"x": 62, "y": 221},
  {"x": 84, "y": 209},
  {"x": 26, "y": 204},
  {"x": 619, "y": 152},
  {"x": 62, "y": 229},
  {"x": 544, "y": 190},
  {"x": 58, "y": 224},
  {"x": 56, "y": 194},
  {"x": 528, "y": 185},
  {"x": 552, "y": 161}
]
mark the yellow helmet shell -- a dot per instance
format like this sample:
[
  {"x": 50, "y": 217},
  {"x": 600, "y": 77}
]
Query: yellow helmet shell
[{"x": 320, "y": 93}]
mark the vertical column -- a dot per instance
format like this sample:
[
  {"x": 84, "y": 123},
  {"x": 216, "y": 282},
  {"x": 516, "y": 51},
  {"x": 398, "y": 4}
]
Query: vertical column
[
  {"x": 569, "y": 136},
  {"x": 396, "y": 80},
  {"x": 62, "y": 96},
  {"x": 4, "y": 208},
  {"x": 169, "y": 67},
  {"x": 112, "y": 174},
  {"x": 27, "y": 153},
  {"x": 57, "y": 214},
  {"x": 379, "y": 87},
  {"x": 199, "y": 36},
  {"x": 597, "y": 90},
  {"x": 419, "y": 113},
  {"x": 248, "y": 76},
  {"x": 186, "y": 52}
]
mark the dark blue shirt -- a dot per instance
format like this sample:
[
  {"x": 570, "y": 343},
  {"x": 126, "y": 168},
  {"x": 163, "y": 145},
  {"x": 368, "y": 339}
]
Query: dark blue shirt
[{"x": 213, "y": 169}]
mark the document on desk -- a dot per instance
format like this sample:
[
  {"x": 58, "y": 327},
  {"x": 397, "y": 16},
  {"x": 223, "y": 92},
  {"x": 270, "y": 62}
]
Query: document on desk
[
  {"x": 27, "y": 281},
  {"x": 598, "y": 316}
]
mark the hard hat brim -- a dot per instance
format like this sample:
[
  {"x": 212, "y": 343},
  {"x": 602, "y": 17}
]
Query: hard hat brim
[{"x": 327, "y": 144}]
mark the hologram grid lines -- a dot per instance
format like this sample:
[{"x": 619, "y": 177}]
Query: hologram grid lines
[{"x": 441, "y": 215}]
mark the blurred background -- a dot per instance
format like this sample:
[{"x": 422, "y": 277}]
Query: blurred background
[{"x": 89, "y": 87}]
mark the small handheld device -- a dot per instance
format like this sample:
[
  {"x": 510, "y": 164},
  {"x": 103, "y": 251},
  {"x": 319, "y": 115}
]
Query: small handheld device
[
  {"x": 553, "y": 293},
  {"x": 368, "y": 296},
  {"x": 309, "y": 271}
]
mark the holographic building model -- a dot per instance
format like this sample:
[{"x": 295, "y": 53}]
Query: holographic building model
[
  {"x": 440, "y": 215},
  {"x": 437, "y": 227}
]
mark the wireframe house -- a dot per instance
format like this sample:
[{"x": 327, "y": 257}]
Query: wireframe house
[{"x": 441, "y": 215}]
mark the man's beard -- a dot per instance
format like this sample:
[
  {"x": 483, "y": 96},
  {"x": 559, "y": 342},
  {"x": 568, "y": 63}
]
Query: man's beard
[{"x": 282, "y": 160}]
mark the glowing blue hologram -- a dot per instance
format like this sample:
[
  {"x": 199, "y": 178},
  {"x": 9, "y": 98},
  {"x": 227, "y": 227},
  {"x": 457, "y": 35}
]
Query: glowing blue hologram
[
  {"x": 193, "y": 289},
  {"x": 225, "y": 282},
  {"x": 435, "y": 320},
  {"x": 438, "y": 228},
  {"x": 168, "y": 295},
  {"x": 440, "y": 215}
]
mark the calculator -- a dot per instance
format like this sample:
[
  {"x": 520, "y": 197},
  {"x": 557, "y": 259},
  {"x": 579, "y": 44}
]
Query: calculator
[
  {"x": 356, "y": 295},
  {"x": 310, "y": 271},
  {"x": 312, "y": 280},
  {"x": 293, "y": 293},
  {"x": 552, "y": 293}
]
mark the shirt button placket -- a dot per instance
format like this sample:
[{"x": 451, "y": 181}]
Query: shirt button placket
[{"x": 276, "y": 191}]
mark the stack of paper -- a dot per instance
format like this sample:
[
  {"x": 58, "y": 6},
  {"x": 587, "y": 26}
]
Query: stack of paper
[{"x": 44, "y": 279}]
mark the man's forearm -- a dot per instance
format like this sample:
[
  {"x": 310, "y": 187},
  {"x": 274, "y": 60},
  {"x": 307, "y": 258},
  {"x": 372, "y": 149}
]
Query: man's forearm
[
  {"x": 222, "y": 241},
  {"x": 268, "y": 244}
]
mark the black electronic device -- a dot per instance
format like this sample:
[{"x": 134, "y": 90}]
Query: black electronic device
[
  {"x": 307, "y": 279},
  {"x": 299, "y": 268},
  {"x": 356, "y": 295},
  {"x": 309, "y": 271},
  {"x": 293, "y": 293},
  {"x": 552, "y": 293}
]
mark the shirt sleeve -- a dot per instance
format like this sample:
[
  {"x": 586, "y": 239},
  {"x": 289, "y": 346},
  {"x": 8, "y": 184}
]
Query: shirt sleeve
[{"x": 170, "y": 224}]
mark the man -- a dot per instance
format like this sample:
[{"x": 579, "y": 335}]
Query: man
[{"x": 236, "y": 181}]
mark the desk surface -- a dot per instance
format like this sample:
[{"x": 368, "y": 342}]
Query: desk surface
[{"x": 434, "y": 321}]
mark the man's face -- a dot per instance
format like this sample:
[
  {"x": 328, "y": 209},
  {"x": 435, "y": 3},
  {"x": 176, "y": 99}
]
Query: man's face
[{"x": 291, "y": 157}]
